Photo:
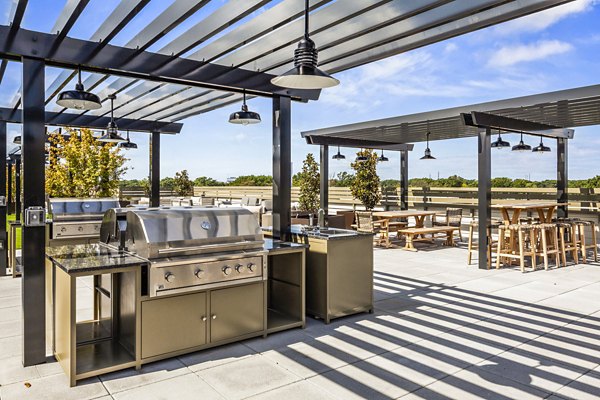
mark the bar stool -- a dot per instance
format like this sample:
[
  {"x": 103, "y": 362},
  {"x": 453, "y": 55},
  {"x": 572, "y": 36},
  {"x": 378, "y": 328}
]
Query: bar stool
[
  {"x": 526, "y": 239},
  {"x": 567, "y": 238},
  {"x": 473, "y": 246},
  {"x": 548, "y": 243},
  {"x": 581, "y": 239}
]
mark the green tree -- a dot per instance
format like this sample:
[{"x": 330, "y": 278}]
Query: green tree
[
  {"x": 81, "y": 166},
  {"x": 252, "y": 180},
  {"x": 365, "y": 186},
  {"x": 182, "y": 185},
  {"x": 167, "y": 183},
  {"x": 206, "y": 181},
  {"x": 502, "y": 182},
  {"x": 342, "y": 179},
  {"x": 310, "y": 184}
]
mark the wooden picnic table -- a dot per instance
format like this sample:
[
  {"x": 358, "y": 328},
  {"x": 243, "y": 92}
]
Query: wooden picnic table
[
  {"x": 545, "y": 210},
  {"x": 418, "y": 215}
]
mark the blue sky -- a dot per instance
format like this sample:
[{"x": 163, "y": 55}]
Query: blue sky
[{"x": 552, "y": 50}]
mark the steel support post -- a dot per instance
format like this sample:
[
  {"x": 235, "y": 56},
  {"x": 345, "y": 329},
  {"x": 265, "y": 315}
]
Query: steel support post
[
  {"x": 484, "y": 194},
  {"x": 34, "y": 237},
  {"x": 18, "y": 171},
  {"x": 404, "y": 180},
  {"x": 324, "y": 189},
  {"x": 282, "y": 166},
  {"x": 9, "y": 177},
  {"x": 3, "y": 206},
  {"x": 155, "y": 169},
  {"x": 562, "y": 176}
]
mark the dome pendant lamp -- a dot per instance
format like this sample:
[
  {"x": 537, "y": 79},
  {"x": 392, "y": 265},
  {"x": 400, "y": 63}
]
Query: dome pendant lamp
[
  {"x": 79, "y": 99},
  {"x": 521, "y": 146},
  {"x": 112, "y": 131},
  {"x": 540, "y": 148},
  {"x": 427, "y": 155},
  {"x": 127, "y": 144},
  {"x": 244, "y": 117},
  {"x": 361, "y": 158},
  {"x": 499, "y": 143},
  {"x": 305, "y": 74},
  {"x": 383, "y": 158},
  {"x": 339, "y": 156}
]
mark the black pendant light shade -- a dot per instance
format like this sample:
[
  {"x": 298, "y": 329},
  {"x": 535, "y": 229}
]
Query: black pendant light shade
[
  {"x": 521, "y": 146},
  {"x": 427, "y": 155},
  {"x": 382, "y": 158},
  {"x": 17, "y": 140},
  {"x": 128, "y": 144},
  {"x": 540, "y": 148},
  {"x": 112, "y": 131},
  {"x": 499, "y": 143},
  {"x": 339, "y": 156},
  {"x": 244, "y": 117},
  {"x": 305, "y": 74},
  {"x": 361, "y": 158},
  {"x": 79, "y": 99}
]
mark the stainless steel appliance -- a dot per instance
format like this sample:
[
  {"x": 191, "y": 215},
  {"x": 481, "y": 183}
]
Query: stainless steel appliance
[
  {"x": 76, "y": 221},
  {"x": 191, "y": 249}
]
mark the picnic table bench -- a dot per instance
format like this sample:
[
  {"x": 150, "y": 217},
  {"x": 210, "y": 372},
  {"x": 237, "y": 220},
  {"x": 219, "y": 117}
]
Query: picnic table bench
[{"x": 418, "y": 234}]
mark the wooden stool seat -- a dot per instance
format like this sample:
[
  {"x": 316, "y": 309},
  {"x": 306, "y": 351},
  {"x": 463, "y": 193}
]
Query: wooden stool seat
[{"x": 473, "y": 246}]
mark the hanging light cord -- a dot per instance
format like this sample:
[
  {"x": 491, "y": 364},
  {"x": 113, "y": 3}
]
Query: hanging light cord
[
  {"x": 306, "y": 19},
  {"x": 111, "y": 109}
]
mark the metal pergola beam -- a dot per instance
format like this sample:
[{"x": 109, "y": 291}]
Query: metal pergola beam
[
  {"x": 123, "y": 61},
  {"x": 355, "y": 143},
  {"x": 93, "y": 122},
  {"x": 562, "y": 176},
  {"x": 282, "y": 166},
  {"x": 484, "y": 195},
  {"x": 15, "y": 18},
  {"x": 324, "y": 175},
  {"x": 3, "y": 206},
  {"x": 509, "y": 124}
]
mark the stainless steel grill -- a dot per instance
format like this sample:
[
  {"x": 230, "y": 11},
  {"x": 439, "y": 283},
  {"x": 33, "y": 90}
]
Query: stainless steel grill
[
  {"x": 191, "y": 248},
  {"x": 77, "y": 220}
]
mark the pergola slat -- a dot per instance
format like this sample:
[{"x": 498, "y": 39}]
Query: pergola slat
[{"x": 15, "y": 17}]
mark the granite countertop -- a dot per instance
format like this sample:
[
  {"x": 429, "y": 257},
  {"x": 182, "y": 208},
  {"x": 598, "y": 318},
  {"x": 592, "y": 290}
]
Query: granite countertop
[
  {"x": 273, "y": 246},
  {"x": 90, "y": 258},
  {"x": 324, "y": 234}
]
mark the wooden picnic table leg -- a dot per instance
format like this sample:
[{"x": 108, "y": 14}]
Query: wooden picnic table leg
[
  {"x": 409, "y": 243},
  {"x": 513, "y": 234}
]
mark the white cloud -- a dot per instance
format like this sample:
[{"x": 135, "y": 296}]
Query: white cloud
[
  {"x": 543, "y": 19},
  {"x": 450, "y": 48},
  {"x": 510, "y": 55}
]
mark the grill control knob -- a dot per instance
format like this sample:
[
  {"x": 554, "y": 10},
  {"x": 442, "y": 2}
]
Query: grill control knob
[
  {"x": 226, "y": 270},
  {"x": 80, "y": 229},
  {"x": 63, "y": 229},
  {"x": 251, "y": 267},
  {"x": 199, "y": 273},
  {"x": 169, "y": 277},
  {"x": 240, "y": 268}
]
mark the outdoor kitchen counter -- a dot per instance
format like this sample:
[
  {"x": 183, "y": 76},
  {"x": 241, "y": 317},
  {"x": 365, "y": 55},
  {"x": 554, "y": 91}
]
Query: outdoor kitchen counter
[
  {"x": 323, "y": 234},
  {"x": 90, "y": 258},
  {"x": 278, "y": 246}
]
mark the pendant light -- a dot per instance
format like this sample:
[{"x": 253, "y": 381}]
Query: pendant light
[
  {"x": 521, "y": 146},
  {"x": 427, "y": 155},
  {"x": 305, "y": 74},
  {"x": 361, "y": 158},
  {"x": 540, "y": 148},
  {"x": 112, "y": 131},
  {"x": 244, "y": 117},
  {"x": 79, "y": 99},
  {"x": 128, "y": 144},
  {"x": 17, "y": 140},
  {"x": 339, "y": 156},
  {"x": 499, "y": 143},
  {"x": 382, "y": 158}
]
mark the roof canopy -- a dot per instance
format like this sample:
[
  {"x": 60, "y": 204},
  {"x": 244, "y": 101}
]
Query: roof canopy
[
  {"x": 541, "y": 114},
  {"x": 161, "y": 75}
]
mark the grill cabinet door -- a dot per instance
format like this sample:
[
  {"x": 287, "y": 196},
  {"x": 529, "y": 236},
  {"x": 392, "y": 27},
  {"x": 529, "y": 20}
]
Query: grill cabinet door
[
  {"x": 173, "y": 323},
  {"x": 236, "y": 311}
]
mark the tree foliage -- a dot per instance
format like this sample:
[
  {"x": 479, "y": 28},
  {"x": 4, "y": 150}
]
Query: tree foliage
[
  {"x": 365, "y": 185},
  {"x": 252, "y": 180},
  {"x": 81, "y": 166},
  {"x": 310, "y": 184},
  {"x": 342, "y": 179},
  {"x": 182, "y": 185},
  {"x": 206, "y": 181}
]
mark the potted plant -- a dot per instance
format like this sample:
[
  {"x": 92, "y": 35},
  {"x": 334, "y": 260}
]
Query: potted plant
[
  {"x": 310, "y": 184},
  {"x": 365, "y": 185}
]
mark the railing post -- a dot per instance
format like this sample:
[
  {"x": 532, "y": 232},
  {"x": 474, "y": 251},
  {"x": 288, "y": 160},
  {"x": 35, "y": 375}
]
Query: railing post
[{"x": 484, "y": 194}]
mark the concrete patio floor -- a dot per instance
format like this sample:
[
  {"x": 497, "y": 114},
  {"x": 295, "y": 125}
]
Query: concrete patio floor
[{"x": 441, "y": 330}]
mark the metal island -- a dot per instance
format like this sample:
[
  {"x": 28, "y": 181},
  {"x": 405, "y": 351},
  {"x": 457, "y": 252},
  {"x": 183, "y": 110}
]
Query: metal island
[{"x": 174, "y": 280}]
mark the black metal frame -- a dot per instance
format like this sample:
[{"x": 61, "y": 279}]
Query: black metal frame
[
  {"x": 562, "y": 176},
  {"x": 3, "y": 208},
  {"x": 282, "y": 166},
  {"x": 484, "y": 194},
  {"x": 324, "y": 174},
  {"x": 34, "y": 237},
  {"x": 404, "y": 179},
  {"x": 154, "y": 169}
]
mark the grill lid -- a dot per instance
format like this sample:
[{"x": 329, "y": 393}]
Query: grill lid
[
  {"x": 80, "y": 209},
  {"x": 157, "y": 233}
]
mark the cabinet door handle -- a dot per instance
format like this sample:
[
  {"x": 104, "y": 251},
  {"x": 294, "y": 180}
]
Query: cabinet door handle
[
  {"x": 214, "y": 316},
  {"x": 203, "y": 319}
]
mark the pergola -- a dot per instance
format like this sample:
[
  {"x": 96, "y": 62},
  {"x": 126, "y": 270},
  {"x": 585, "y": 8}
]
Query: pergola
[
  {"x": 549, "y": 115},
  {"x": 162, "y": 78}
]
